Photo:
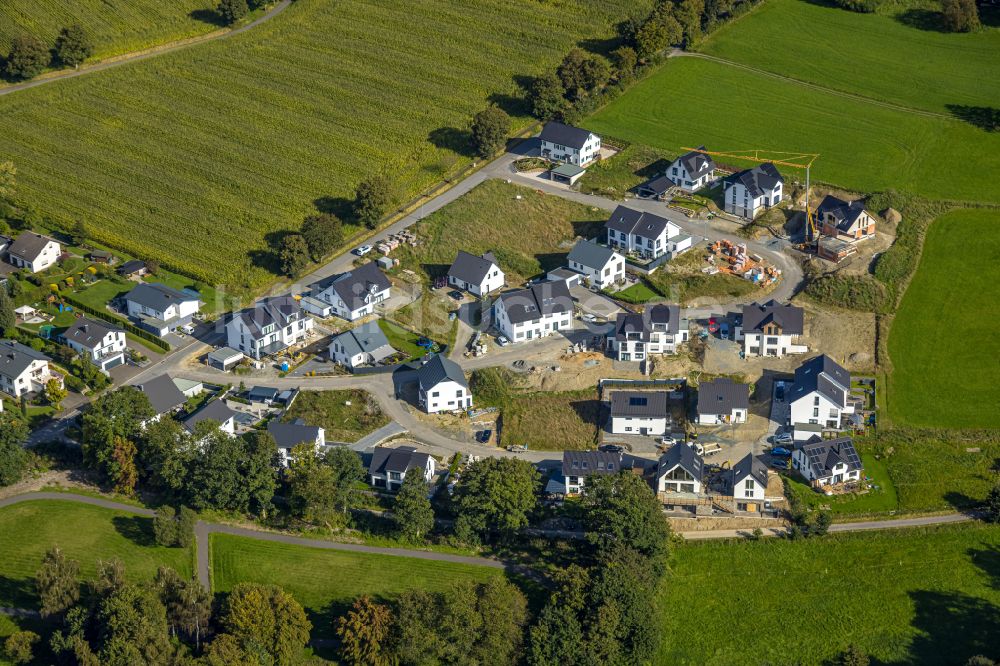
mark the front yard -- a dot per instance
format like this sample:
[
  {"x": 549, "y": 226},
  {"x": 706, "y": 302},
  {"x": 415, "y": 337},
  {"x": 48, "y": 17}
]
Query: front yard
[{"x": 346, "y": 415}]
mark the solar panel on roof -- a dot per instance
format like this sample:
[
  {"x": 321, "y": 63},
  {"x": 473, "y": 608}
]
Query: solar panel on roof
[{"x": 636, "y": 401}]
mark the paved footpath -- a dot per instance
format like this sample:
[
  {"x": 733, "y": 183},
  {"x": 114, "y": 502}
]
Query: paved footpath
[{"x": 865, "y": 526}]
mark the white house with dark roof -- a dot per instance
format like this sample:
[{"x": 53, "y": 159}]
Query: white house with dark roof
[
  {"x": 639, "y": 413},
  {"x": 658, "y": 330},
  {"x": 645, "y": 234},
  {"x": 164, "y": 396},
  {"x": 100, "y": 341},
  {"x": 288, "y": 435},
  {"x": 217, "y": 411},
  {"x": 476, "y": 275},
  {"x": 161, "y": 309},
  {"x": 748, "y": 483},
  {"x": 828, "y": 462},
  {"x": 751, "y": 191},
  {"x": 388, "y": 466},
  {"x": 565, "y": 143},
  {"x": 269, "y": 327},
  {"x": 578, "y": 465},
  {"x": 819, "y": 394},
  {"x": 23, "y": 370},
  {"x": 771, "y": 329},
  {"x": 846, "y": 220},
  {"x": 442, "y": 386},
  {"x": 33, "y": 252},
  {"x": 535, "y": 312},
  {"x": 600, "y": 265},
  {"x": 679, "y": 470},
  {"x": 354, "y": 294},
  {"x": 364, "y": 345},
  {"x": 722, "y": 401},
  {"x": 692, "y": 171}
]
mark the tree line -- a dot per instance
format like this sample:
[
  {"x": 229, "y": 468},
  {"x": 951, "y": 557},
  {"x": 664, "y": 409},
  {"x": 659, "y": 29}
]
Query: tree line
[
  {"x": 955, "y": 15},
  {"x": 29, "y": 56}
]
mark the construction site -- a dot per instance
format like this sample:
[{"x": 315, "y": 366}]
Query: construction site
[{"x": 732, "y": 258}]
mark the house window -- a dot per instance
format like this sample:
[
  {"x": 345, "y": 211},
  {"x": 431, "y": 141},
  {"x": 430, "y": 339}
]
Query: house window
[
  {"x": 435, "y": 394},
  {"x": 816, "y": 400},
  {"x": 816, "y": 412}
]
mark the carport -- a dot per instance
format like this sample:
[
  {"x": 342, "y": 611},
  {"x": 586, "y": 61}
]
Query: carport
[{"x": 567, "y": 174}]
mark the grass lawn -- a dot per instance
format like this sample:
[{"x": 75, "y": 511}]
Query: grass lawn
[
  {"x": 209, "y": 151},
  {"x": 867, "y": 54},
  {"x": 863, "y": 146},
  {"x": 942, "y": 342},
  {"x": 920, "y": 596},
  {"x": 880, "y": 501},
  {"x": 637, "y": 293},
  {"x": 551, "y": 421},
  {"x": 342, "y": 422},
  {"x": 86, "y": 534},
  {"x": 325, "y": 581},
  {"x": 630, "y": 168},
  {"x": 401, "y": 339},
  {"x": 429, "y": 316},
  {"x": 98, "y": 294},
  {"x": 528, "y": 235}
]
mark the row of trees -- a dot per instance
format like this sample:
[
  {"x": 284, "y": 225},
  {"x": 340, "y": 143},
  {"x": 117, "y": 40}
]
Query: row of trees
[{"x": 29, "y": 55}]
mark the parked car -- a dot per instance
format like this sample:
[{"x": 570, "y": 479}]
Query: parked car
[
  {"x": 724, "y": 331},
  {"x": 781, "y": 463},
  {"x": 612, "y": 448},
  {"x": 781, "y": 452},
  {"x": 483, "y": 436},
  {"x": 589, "y": 317},
  {"x": 362, "y": 250},
  {"x": 784, "y": 438},
  {"x": 779, "y": 391},
  {"x": 456, "y": 295},
  {"x": 502, "y": 340}
]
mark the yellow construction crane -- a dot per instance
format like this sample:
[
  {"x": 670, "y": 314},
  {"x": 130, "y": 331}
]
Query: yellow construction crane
[{"x": 795, "y": 160}]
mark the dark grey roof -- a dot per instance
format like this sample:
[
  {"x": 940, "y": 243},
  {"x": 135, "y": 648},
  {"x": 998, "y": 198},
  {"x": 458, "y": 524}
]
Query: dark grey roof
[
  {"x": 289, "y": 435},
  {"x": 663, "y": 314},
  {"x": 89, "y": 333},
  {"x": 789, "y": 317},
  {"x": 29, "y": 245},
  {"x": 665, "y": 317},
  {"x": 631, "y": 322},
  {"x": 262, "y": 393},
  {"x": 722, "y": 396},
  {"x": 824, "y": 455},
  {"x": 750, "y": 466},
  {"x": 824, "y": 375},
  {"x": 157, "y": 296},
  {"x": 585, "y": 463},
  {"x": 224, "y": 354},
  {"x": 438, "y": 369},
  {"x": 163, "y": 394},
  {"x": 217, "y": 410},
  {"x": 470, "y": 268},
  {"x": 367, "y": 338},
  {"x": 844, "y": 213},
  {"x": 354, "y": 286},
  {"x": 540, "y": 299},
  {"x": 399, "y": 459},
  {"x": 759, "y": 180},
  {"x": 658, "y": 185},
  {"x": 15, "y": 358},
  {"x": 277, "y": 310},
  {"x": 683, "y": 455},
  {"x": 633, "y": 221},
  {"x": 697, "y": 164},
  {"x": 639, "y": 403},
  {"x": 133, "y": 266},
  {"x": 590, "y": 254},
  {"x": 565, "y": 135}
]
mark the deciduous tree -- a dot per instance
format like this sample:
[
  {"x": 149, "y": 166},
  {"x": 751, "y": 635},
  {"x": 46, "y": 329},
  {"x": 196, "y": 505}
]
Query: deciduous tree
[
  {"x": 13, "y": 459},
  {"x": 363, "y": 634},
  {"x": 548, "y": 97},
  {"x": 165, "y": 526},
  {"x": 19, "y": 646},
  {"x": 960, "y": 15},
  {"x": 8, "y": 319},
  {"x": 294, "y": 254},
  {"x": 993, "y": 504},
  {"x": 73, "y": 45},
  {"x": 27, "y": 58},
  {"x": 188, "y": 604},
  {"x": 56, "y": 583},
  {"x": 323, "y": 234},
  {"x": 490, "y": 129},
  {"x": 231, "y": 11},
  {"x": 412, "y": 513},
  {"x": 267, "y": 616},
  {"x": 372, "y": 200},
  {"x": 122, "y": 470},
  {"x": 622, "y": 509},
  {"x": 496, "y": 495},
  {"x": 55, "y": 393}
]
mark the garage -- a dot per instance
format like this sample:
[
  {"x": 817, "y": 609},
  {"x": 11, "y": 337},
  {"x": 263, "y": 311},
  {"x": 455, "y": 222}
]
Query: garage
[
  {"x": 113, "y": 362},
  {"x": 567, "y": 174}
]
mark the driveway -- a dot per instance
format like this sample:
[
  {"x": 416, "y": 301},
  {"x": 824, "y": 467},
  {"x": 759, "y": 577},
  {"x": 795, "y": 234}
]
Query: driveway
[{"x": 593, "y": 302}]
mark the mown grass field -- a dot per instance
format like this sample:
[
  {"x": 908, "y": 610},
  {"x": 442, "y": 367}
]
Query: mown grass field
[
  {"x": 114, "y": 26},
  {"x": 942, "y": 344},
  {"x": 922, "y": 596},
  {"x": 863, "y": 146},
  {"x": 342, "y": 422},
  {"x": 866, "y": 54},
  {"x": 234, "y": 140},
  {"x": 84, "y": 533},
  {"x": 567, "y": 420}
]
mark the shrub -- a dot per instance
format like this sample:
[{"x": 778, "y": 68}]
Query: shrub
[
  {"x": 862, "y": 6},
  {"x": 27, "y": 58}
]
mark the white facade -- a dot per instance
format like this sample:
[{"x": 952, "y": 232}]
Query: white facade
[
  {"x": 633, "y": 348},
  {"x": 678, "y": 173},
  {"x": 602, "y": 277},
  {"x": 840, "y": 473},
  {"x": 677, "y": 480},
  {"x": 648, "y": 246},
  {"x": 445, "y": 396},
  {"x": 639, "y": 425},
  {"x": 492, "y": 281},
  {"x": 393, "y": 479},
  {"x": 182, "y": 310},
  {"x": 778, "y": 344},
  {"x": 364, "y": 305},
  {"x": 32, "y": 374},
  {"x": 110, "y": 351},
  {"x": 817, "y": 408},
  {"x": 39, "y": 260},
  {"x": 240, "y": 336},
  {"x": 741, "y": 202},
  {"x": 543, "y": 326},
  {"x": 581, "y": 156},
  {"x": 737, "y": 415}
]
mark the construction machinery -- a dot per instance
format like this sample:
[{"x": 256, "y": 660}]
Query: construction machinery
[{"x": 794, "y": 160}]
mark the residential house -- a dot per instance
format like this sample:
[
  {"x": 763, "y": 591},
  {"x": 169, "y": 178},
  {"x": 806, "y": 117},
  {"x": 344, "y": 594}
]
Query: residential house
[
  {"x": 820, "y": 393},
  {"x": 692, "y": 171},
  {"x": 578, "y": 465},
  {"x": 442, "y": 385},
  {"x": 33, "y": 252},
  {"x": 389, "y": 466},
  {"x": 217, "y": 411},
  {"x": 601, "y": 266},
  {"x": 269, "y": 327},
  {"x": 748, "y": 483},
  {"x": 639, "y": 413},
  {"x": 161, "y": 309},
  {"x": 658, "y": 330},
  {"x": 101, "y": 342},
  {"x": 749, "y": 192},
  {"x": 263, "y": 394},
  {"x": 288, "y": 435},
  {"x": 23, "y": 370},
  {"x": 722, "y": 401},
  {"x": 354, "y": 294},
  {"x": 133, "y": 268},
  {"x": 565, "y": 143},
  {"x": 476, "y": 275},
  {"x": 164, "y": 396},
  {"x": 827, "y": 462},
  {"x": 535, "y": 312},
  {"x": 680, "y": 470},
  {"x": 771, "y": 329},
  {"x": 645, "y": 234},
  {"x": 844, "y": 220},
  {"x": 364, "y": 345}
]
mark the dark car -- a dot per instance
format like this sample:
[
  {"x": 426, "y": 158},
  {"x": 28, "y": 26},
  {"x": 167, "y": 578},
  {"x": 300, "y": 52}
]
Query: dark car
[
  {"x": 483, "y": 436},
  {"x": 612, "y": 448},
  {"x": 781, "y": 451},
  {"x": 456, "y": 294}
]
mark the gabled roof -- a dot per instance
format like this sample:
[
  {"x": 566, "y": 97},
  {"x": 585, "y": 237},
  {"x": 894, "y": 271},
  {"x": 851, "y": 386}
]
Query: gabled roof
[
  {"x": 29, "y": 245},
  {"x": 438, "y": 369},
  {"x": 758, "y": 181},
  {"x": 824, "y": 375},
  {"x": 658, "y": 185},
  {"x": 665, "y": 314},
  {"x": 470, "y": 268},
  {"x": 585, "y": 463},
  {"x": 291, "y": 434},
  {"x": 682, "y": 455},
  {"x": 751, "y": 466},
  {"x": 132, "y": 266},
  {"x": 661, "y": 314},
  {"x": 844, "y": 213},
  {"x": 352, "y": 287},
  {"x": 697, "y": 164},
  {"x": 565, "y": 135},
  {"x": 536, "y": 301},
  {"x": 789, "y": 317},
  {"x": 644, "y": 404},
  {"x": 722, "y": 396},
  {"x": 157, "y": 296},
  {"x": 365, "y": 339},
  {"x": 163, "y": 394},
  {"x": 399, "y": 459},
  {"x": 823, "y": 455},
  {"x": 217, "y": 410},
  {"x": 89, "y": 333},
  {"x": 262, "y": 393},
  {"x": 590, "y": 254},
  {"x": 15, "y": 358},
  {"x": 633, "y": 221},
  {"x": 631, "y": 322},
  {"x": 277, "y": 310}
]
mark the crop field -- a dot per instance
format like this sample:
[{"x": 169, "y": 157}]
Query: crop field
[
  {"x": 234, "y": 140},
  {"x": 941, "y": 342},
  {"x": 114, "y": 26},
  {"x": 863, "y": 146},
  {"x": 920, "y": 596},
  {"x": 867, "y": 54}
]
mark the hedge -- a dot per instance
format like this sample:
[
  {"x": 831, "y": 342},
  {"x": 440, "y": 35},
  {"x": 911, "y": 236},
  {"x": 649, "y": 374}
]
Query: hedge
[{"x": 117, "y": 321}]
